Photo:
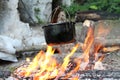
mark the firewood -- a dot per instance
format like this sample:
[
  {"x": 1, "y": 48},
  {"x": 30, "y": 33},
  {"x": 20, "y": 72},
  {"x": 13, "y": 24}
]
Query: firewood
[
  {"x": 109, "y": 45},
  {"x": 106, "y": 44},
  {"x": 95, "y": 16},
  {"x": 111, "y": 42},
  {"x": 84, "y": 30}
]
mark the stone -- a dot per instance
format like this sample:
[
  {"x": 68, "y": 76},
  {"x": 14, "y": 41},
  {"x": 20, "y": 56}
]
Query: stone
[
  {"x": 8, "y": 57},
  {"x": 67, "y": 2},
  {"x": 15, "y": 35},
  {"x": 35, "y": 10},
  {"x": 10, "y": 23},
  {"x": 6, "y": 45},
  {"x": 34, "y": 43},
  {"x": 12, "y": 30}
]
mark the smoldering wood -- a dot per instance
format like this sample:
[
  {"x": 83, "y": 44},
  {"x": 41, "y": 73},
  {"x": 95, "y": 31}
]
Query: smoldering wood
[
  {"x": 88, "y": 26},
  {"x": 111, "y": 42},
  {"x": 81, "y": 16},
  {"x": 110, "y": 45}
]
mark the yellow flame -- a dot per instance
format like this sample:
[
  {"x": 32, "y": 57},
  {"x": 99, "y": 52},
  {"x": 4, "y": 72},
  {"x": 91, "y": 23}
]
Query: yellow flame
[
  {"x": 88, "y": 44},
  {"x": 67, "y": 58}
]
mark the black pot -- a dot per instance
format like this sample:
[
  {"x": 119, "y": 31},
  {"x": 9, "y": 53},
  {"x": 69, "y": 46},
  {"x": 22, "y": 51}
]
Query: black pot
[{"x": 59, "y": 33}]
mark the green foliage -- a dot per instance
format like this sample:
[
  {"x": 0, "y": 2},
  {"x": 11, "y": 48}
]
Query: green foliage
[
  {"x": 74, "y": 8},
  {"x": 112, "y": 6},
  {"x": 37, "y": 10},
  {"x": 39, "y": 20}
]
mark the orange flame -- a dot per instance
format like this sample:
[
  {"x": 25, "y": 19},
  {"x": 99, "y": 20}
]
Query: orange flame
[
  {"x": 88, "y": 44},
  {"x": 45, "y": 66}
]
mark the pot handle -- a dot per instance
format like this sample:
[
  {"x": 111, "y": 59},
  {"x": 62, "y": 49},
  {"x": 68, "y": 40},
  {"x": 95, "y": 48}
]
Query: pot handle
[{"x": 54, "y": 12}]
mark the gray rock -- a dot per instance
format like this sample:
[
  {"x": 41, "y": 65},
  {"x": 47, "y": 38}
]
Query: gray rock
[
  {"x": 35, "y": 10},
  {"x": 34, "y": 43},
  {"x": 6, "y": 45},
  {"x": 67, "y": 2},
  {"x": 10, "y": 24},
  {"x": 8, "y": 57}
]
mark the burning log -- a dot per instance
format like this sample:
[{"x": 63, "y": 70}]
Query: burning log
[
  {"x": 95, "y": 16},
  {"x": 93, "y": 45},
  {"x": 86, "y": 25},
  {"x": 110, "y": 45},
  {"x": 111, "y": 42}
]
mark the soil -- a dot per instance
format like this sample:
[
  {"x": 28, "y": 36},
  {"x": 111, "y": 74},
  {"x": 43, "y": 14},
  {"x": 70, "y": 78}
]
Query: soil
[{"x": 111, "y": 60}]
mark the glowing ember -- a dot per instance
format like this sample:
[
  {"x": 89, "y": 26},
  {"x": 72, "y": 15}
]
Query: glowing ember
[{"x": 44, "y": 66}]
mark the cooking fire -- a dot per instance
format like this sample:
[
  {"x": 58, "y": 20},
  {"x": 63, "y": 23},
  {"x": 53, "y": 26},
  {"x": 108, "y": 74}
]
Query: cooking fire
[{"x": 46, "y": 67}]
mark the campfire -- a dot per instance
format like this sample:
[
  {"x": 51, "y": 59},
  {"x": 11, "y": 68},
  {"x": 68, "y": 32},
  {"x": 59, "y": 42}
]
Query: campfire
[
  {"x": 85, "y": 60},
  {"x": 46, "y": 67}
]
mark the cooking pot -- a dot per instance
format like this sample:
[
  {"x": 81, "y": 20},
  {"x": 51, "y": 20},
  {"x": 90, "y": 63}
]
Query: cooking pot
[{"x": 59, "y": 33}]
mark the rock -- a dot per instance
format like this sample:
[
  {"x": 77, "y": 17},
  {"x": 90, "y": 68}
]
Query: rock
[
  {"x": 10, "y": 24},
  {"x": 67, "y": 2},
  {"x": 35, "y": 10},
  {"x": 18, "y": 44},
  {"x": 34, "y": 43},
  {"x": 6, "y": 45},
  {"x": 13, "y": 32},
  {"x": 8, "y": 57},
  {"x": 118, "y": 53},
  {"x": 8, "y": 48},
  {"x": 11, "y": 78}
]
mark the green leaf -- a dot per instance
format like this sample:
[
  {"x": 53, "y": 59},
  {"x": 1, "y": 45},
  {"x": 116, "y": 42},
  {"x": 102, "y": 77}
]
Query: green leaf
[{"x": 94, "y": 7}]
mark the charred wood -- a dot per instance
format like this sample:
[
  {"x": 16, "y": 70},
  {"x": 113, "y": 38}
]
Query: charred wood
[{"x": 95, "y": 16}]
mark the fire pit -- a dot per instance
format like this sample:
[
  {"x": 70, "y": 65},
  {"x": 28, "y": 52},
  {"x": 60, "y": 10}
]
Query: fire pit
[{"x": 88, "y": 65}]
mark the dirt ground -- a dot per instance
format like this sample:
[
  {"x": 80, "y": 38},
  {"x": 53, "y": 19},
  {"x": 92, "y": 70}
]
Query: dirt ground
[{"x": 111, "y": 60}]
